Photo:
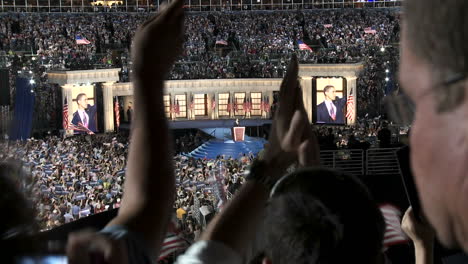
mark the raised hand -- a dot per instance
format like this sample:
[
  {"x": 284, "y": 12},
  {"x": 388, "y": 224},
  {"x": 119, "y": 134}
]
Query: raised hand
[{"x": 291, "y": 138}]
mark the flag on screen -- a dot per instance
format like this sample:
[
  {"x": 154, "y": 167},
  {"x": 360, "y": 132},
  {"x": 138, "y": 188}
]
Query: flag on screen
[
  {"x": 370, "y": 30},
  {"x": 328, "y": 25},
  {"x": 393, "y": 232},
  {"x": 303, "y": 46},
  {"x": 171, "y": 244},
  {"x": 81, "y": 41},
  {"x": 65, "y": 115},
  {"x": 117, "y": 112},
  {"x": 221, "y": 42},
  {"x": 350, "y": 105}
]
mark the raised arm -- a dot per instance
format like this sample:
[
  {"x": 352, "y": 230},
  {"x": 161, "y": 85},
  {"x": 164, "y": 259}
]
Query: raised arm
[{"x": 150, "y": 185}]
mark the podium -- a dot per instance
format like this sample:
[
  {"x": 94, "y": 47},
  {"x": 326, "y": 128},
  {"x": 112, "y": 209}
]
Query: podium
[{"x": 238, "y": 133}]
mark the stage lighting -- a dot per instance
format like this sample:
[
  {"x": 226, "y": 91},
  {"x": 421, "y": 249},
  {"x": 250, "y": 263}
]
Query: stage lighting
[
  {"x": 382, "y": 49},
  {"x": 30, "y": 72},
  {"x": 387, "y": 79},
  {"x": 387, "y": 70},
  {"x": 32, "y": 81},
  {"x": 32, "y": 91}
]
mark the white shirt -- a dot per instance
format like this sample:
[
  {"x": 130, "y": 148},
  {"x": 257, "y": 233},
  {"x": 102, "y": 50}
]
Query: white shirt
[
  {"x": 330, "y": 105},
  {"x": 82, "y": 114},
  {"x": 209, "y": 252}
]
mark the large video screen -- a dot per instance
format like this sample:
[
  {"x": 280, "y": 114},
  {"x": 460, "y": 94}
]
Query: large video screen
[
  {"x": 84, "y": 109},
  {"x": 330, "y": 98}
]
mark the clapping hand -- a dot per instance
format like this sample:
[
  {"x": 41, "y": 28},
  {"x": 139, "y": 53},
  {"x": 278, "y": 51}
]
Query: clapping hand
[{"x": 292, "y": 138}]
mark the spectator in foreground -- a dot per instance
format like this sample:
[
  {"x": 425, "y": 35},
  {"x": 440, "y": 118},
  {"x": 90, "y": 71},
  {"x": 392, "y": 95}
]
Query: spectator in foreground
[
  {"x": 136, "y": 234},
  {"x": 433, "y": 72},
  {"x": 303, "y": 215}
]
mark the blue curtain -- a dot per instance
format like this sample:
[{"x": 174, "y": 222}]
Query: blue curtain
[{"x": 24, "y": 107}]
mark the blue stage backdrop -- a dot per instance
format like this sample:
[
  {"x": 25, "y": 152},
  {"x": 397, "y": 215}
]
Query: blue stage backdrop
[{"x": 24, "y": 107}]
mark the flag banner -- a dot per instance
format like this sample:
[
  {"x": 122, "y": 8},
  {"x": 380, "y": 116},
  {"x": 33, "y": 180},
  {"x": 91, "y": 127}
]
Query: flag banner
[
  {"x": 213, "y": 103},
  {"x": 370, "y": 30},
  {"x": 303, "y": 46},
  {"x": 393, "y": 232},
  {"x": 81, "y": 41},
  {"x": 221, "y": 42}
]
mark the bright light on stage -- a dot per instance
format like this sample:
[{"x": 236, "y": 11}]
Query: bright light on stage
[
  {"x": 387, "y": 70},
  {"x": 32, "y": 81},
  {"x": 387, "y": 79},
  {"x": 32, "y": 91},
  {"x": 382, "y": 49}
]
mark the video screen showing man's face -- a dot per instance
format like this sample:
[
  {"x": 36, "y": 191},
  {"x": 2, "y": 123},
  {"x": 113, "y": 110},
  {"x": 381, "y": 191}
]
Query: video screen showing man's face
[
  {"x": 331, "y": 104},
  {"x": 84, "y": 109}
]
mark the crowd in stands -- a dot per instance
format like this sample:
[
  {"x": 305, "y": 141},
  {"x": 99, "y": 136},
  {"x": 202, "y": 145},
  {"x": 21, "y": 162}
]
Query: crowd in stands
[{"x": 253, "y": 44}]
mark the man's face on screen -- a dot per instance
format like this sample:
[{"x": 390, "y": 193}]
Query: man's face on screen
[
  {"x": 439, "y": 150},
  {"x": 83, "y": 102},
  {"x": 330, "y": 94}
]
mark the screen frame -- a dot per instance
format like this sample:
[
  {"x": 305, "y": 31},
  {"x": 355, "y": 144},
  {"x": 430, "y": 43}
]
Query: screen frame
[{"x": 314, "y": 99}]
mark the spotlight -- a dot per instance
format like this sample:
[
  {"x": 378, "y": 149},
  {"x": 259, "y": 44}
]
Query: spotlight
[
  {"x": 32, "y": 81},
  {"x": 30, "y": 72},
  {"x": 32, "y": 91},
  {"x": 382, "y": 49},
  {"x": 33, "y": 58},
  {"x": 387, "y": 70},
  {"x": 387, "y": 79}
]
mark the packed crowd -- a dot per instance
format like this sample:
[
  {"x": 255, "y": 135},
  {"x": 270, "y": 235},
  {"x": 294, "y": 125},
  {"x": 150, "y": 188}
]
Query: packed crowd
[
  {"x": 255, "y": 44},
  {"x": 72, "y": 178}
]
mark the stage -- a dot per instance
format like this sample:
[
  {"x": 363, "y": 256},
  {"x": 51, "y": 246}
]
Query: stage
[{"x": 218, "y": 123}]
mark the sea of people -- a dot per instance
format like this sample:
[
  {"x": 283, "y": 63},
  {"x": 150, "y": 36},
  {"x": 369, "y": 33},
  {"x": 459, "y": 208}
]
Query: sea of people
[
  {"x": 217, "y": 45},
  {"x": 83, "y": 175}
]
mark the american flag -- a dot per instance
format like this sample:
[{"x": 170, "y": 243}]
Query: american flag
[
  {"x": 171, "y": 244},
  {"x": 81, "y": 41},
  {"x": 393, "y": 232},
  {"x": 65, "y": 115},
  {"x": 266, "y": 104},
  {"x": 303, "y": 46},
  {"x": 192, "y": 103},
  {"x": 350, "y": 105},
  {"x": 177, "y": 107},
  {"x": 117, "y": 112},
  {"x": 229, "y": 104},
  {"x": 370, "y": 30},
  {"x": 213, "y": 103},
  {"x": 221, "y": 42}
]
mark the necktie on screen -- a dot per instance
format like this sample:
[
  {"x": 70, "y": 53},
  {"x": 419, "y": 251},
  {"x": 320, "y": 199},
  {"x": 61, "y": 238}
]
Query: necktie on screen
[
  {"x": 332, "y": 113},
  {"x": 85, "y": 121}
]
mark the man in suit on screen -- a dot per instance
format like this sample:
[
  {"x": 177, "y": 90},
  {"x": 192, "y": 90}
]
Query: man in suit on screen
[
  {"x": 331, "y": 110},
  {"x": 84, "y": 119}
]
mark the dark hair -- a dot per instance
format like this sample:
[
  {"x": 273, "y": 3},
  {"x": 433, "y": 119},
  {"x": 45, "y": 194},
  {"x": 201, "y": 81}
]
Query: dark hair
[
  {"x": 79, "y": 96},
  {"x": 19, "y": 224},
  {"x": 326, "y": 88},
  {"x": 322, "y": 216}
]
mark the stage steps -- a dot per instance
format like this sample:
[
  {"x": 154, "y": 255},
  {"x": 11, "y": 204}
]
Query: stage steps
[{"x": 217, "y": 147}]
